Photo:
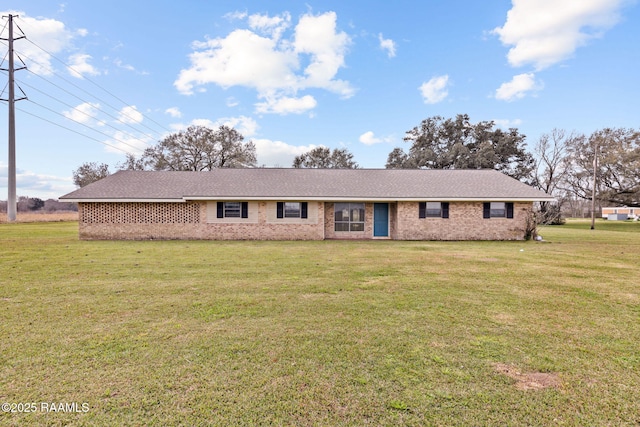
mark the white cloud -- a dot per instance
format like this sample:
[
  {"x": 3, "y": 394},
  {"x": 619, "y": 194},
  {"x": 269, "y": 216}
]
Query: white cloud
[
  {"x": 388, "y": 45},
  {"x": 123, "y": 141},
  {"x": 271, "y": 25},
  {"x": 369, "y": 138},
  {"x": 197, "y": 122},
  {"x": 277, "y": 153},
  {"x": 236, "y": 15},
  {"x": 49, "y": 34},
  {"x": 317, "y": 36},
  {"x": 173, "y": 112},
  {"x": 545, "y": 32},
  {"x": 507, "y": 124},
  {"x": 243, "y": 124},
  {"x": 47, "y": 37},
  {"x": 234, "y": 61},
  {"x": 31, "y": 184},
  {"x": 130, "y": 115},
  {"x": 287, "y": 105},
  {"x": 79, "y": 65},
  {"x": 518, "y": 87},
  {"x": 261, "y": 58},
  {"x": 83, "y": 113},
  {"x": 435, "y": 90},
  {"x": 118, "y": 62}
]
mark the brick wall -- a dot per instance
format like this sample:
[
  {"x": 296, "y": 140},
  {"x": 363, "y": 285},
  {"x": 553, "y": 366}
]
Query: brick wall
[
  {"x": 196, "y": 220},
  {"x": 192, "y": 220},
  {"x": 465, "y": 222},
  {"x": 139, "y": 213}
]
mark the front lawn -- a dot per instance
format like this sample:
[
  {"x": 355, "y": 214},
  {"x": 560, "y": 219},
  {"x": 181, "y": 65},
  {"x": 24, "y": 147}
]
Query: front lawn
[{"x": 321, "y": 333}]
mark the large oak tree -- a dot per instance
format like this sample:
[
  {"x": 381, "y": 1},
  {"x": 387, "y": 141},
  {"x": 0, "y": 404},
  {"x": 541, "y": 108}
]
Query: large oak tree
[
  {"x": 324, "y": 158},
  {"x": 196, "y": 148},
  {"x": 90, "y": 172},
  {"x": 617, "y": 176},
  {"x": 439, "y": 143},
  {"x": 199, "y": 148}
]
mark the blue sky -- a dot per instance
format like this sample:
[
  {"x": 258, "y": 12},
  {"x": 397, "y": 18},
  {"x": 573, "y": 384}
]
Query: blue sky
[{"x": 105, "y": 78}]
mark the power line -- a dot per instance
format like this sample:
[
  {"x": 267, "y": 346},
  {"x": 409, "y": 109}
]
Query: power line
[
  {"x": 119, "y": 120},
  {"x": 93, "y": 82},
  {"x": 70, "y": 130},
  {"x": 89, "y": 115},
  {"x": 87, "y": 126},
  {"x": 86, "y": 102},
  {"x": 134, "y": 137},
  {"x": 88, "y": 93},
  {"x": 122, "y": 113}
]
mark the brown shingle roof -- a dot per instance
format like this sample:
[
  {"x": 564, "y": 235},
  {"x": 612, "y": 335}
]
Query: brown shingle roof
[{"x": 307, "y": 184}]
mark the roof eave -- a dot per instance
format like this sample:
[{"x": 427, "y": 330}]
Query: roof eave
[
  {"x": 306, "y": 198},
  {"x": 375, "y": 199},
  {"x": 120, "y": 200}
]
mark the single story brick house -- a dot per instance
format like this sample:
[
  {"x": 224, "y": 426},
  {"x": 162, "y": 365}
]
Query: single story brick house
[{"x": 306, "y": 204}]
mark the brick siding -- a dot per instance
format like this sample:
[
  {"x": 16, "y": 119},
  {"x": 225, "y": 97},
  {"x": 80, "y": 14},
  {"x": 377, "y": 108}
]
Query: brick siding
[
  {"x": 196, "y": 220},
  {"x": 191, "y": 220},
  {"x": 139, "y": 213},
  {"x": 465, "y": 222}
]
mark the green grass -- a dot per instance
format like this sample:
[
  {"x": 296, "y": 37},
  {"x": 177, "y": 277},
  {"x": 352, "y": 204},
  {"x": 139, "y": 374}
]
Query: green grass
[{"x": 321, "y": 333}]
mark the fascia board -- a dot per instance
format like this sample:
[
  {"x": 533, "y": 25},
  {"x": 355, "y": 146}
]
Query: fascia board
[
  {"x": 122, "y": 200},
  {"x": 373, "y": 199}
]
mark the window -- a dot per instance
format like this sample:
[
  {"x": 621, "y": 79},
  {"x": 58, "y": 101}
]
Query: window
[
  {"x": 292, "y": 210},
  {"x": 349, "y": 217},
  {"x": 497, "y": 210},
  {"x": 433, "y": 210},
  {"x": 233, "y": 210}
]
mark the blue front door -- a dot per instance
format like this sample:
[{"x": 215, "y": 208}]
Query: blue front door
[{"x": 380, "y": 219}]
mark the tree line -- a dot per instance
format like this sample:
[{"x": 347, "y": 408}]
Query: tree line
[
  {"x": 34, "y": 204},
  {"x": 564, "y": 164}
]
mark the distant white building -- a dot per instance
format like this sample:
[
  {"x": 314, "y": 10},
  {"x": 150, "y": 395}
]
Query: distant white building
[{"x": 620, "y": 213}]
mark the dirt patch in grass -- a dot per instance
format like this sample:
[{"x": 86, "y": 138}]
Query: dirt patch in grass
[
  {"x": 504, "y": 318},
  {"x": 528, "y": 380}
]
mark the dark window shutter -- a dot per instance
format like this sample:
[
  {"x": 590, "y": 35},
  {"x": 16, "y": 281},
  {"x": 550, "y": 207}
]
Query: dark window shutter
[
  {"x": 303, "y": 210},
  {"x": 280, "y": 210},
  {"x": 422, "y": 210},
  {"x": 509, "y": 210},
  {"x": 445, "y": 209},
  {"x": 486, "y": 210},
  {"x": 220, "y": 209},
  {"x": 245, "y": 209}
]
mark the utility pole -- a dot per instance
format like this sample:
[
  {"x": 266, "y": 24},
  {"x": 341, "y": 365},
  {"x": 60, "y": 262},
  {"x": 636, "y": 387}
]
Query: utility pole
[
  {"x": 11, "y": 198},
  {"x": 595, "y": 182}
]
